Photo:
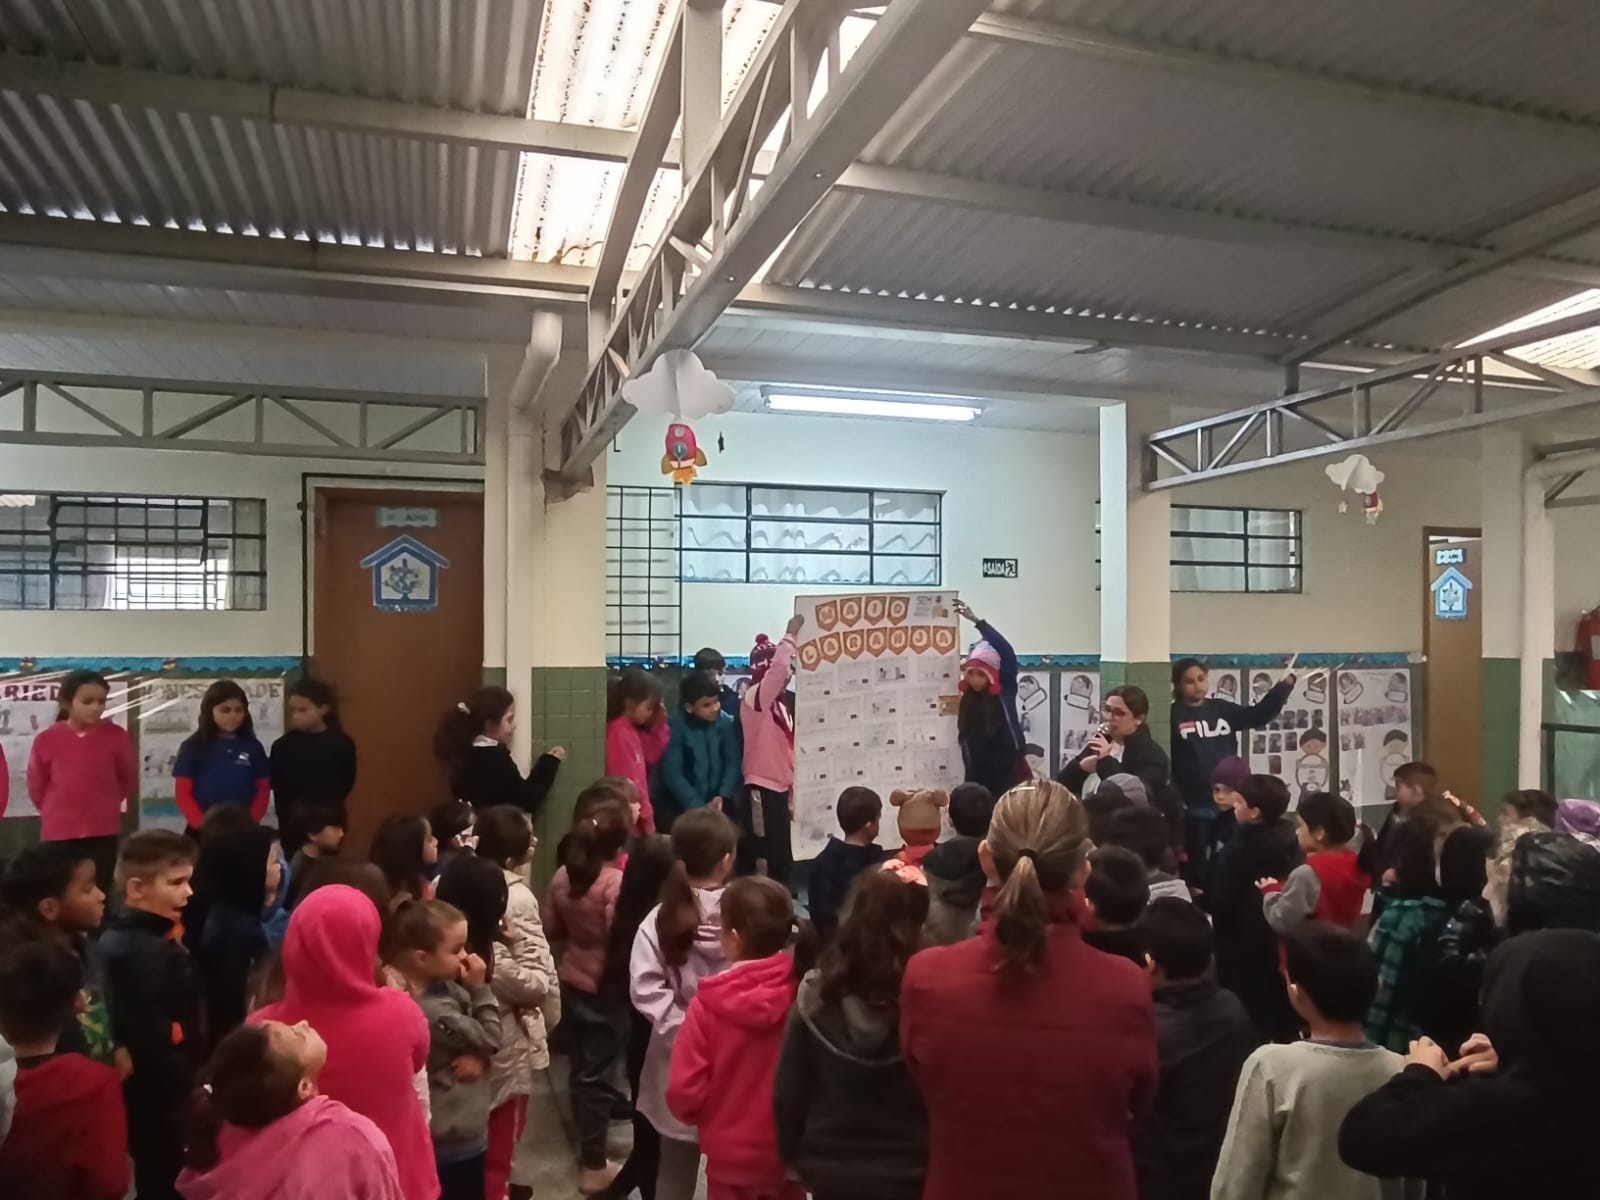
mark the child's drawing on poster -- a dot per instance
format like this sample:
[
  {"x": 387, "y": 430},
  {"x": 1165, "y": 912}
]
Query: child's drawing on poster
[
  {"x": 1080, "y": 713},
  {"x": 1375, "y": 732},
  {"x": 1293, "y": 746},
  {"x": 1035, "y": 703}
]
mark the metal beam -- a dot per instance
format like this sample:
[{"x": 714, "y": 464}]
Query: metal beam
[{"x": 668, "y": 310}]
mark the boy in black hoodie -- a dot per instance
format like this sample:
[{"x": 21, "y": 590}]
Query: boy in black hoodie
[
  {"x": 1265, "y": 847},
  {"x": 1116, "y": 893},
  {"x": 155, "y": 1001},
  {"x": 836, "y": 867},
  {"x": 1204, "y": 1036},
  {"x": 955, "y": 876}
]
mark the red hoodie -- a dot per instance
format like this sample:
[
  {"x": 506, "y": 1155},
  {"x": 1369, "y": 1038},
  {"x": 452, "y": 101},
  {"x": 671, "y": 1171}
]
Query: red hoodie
[
  {"x": 723, "y": 1067},
  {"x": 377, "y": 1037},
  {"x": 69, "y": 1135}
]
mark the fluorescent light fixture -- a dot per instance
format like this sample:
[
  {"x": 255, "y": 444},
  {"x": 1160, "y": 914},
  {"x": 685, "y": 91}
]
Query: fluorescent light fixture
[{"x": 861, "y": 406}]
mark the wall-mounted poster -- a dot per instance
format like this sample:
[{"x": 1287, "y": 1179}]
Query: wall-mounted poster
[
  {"x": 877, "y": 690},
  {"x": 1080, "y": 712},
  {"x": 1375, "y": 734},
  {"x": 27, "y": 706},
  {"x": 1035, "y": 702},
  {"x": 1294, "y": 747},
  {"x": 169, "y": 711},
  {"x": 1231, "y": 684}
]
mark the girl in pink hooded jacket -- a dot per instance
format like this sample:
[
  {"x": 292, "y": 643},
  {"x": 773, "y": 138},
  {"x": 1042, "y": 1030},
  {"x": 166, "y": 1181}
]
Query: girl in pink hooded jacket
[
  {"x": 260, "y": 1131},
  {"x": 768, "y": 730},
  {"x": 726, "y": 1056},
  {"x": 377, "y": 1037}
]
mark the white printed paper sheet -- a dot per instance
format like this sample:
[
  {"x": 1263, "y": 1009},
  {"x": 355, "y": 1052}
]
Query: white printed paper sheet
[
  {"x": 1375, "y": 734},
  {"x": 1080, "y": 712},
  {"x": 1294, "y": 746},
  {"x": 877, "y": 688}
]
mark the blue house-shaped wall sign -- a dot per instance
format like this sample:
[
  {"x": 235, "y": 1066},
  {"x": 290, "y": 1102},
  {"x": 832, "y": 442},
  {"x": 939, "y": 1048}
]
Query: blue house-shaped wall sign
[
  {"x": 1450, "y": 595},
  {"x": 405, "y": 576}
]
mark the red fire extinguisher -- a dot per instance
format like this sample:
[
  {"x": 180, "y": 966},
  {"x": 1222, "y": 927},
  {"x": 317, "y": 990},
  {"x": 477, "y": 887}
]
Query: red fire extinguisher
[{"x": 1589, "y": 647}]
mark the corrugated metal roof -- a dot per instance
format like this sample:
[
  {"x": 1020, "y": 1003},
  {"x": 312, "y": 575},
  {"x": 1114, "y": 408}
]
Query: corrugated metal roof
[
  {"x": 476, "y": 55},
  {"x": 1537, "y": 57},
  {"x": 879, "y": 244},
  {"x": 564, "y": 206},
  {"x": 1466, "y": 311}
]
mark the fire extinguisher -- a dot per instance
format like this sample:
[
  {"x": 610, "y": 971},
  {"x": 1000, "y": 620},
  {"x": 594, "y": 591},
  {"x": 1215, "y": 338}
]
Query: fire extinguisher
[{"x": 1589, "y": 647}]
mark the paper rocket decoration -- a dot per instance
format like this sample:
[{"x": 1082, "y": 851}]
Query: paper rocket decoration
[
  {"x": 683, "y": 455},
  {"x": 1357, "y": 474}
]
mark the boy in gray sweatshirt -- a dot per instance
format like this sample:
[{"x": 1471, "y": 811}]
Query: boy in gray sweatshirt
[{"x": 464, "y": 1033}]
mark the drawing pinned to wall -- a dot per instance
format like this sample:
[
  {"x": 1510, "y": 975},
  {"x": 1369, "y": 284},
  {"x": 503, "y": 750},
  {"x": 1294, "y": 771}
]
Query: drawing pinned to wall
[
  {"x": 874, "y": 706},
  {"x": 1080, "y": 712},
  {"x": 1035, "y": 702},
  {"x": 1375, "y": 733},
  {"x": 1294, "y": 746},
  {"x": 27, "y": 707},
  {"x": 169, "y": 711},
  {"x": 1226, "y": 684}
]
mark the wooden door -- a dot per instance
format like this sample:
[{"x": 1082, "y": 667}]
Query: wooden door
[
  {"x": 1453, "y": 643},
  {"x": 398, "y": 630}
]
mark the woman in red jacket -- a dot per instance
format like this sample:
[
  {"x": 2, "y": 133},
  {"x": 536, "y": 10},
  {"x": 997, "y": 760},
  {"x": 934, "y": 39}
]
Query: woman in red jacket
[{"x": 1034, "y": 1051}]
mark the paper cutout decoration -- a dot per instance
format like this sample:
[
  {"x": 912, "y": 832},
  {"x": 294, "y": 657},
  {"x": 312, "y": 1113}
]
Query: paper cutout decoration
[
  {"x": 405, "y": 576},
  {"x": 1357, "y": 474},
  {"x": 683, "y": 455},
  {"x": 678, "y": 385}
]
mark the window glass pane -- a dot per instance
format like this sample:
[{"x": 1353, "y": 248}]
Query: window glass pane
[
  {"x": 1273, "y": 523},
  {"x": 803, "y": 502},
  {"x": 1274, "y": 550},
  {"x": 1274, "y": 579},
  {"x": 1207, "y": 579},
  {"x": 901, "y": 571},
  {"x": 1207, "y": 550},
  {"x": 712, "y": 500},
  {"x": 699, "y": 533},
  {"x": 713, "y": 566},
  {"x": 906, "y": 539},
  {"x": 905, "y": 506},
  {"x": 1186, "y": 519},
  {"x": 809, "y": 535},
  {"x": 810, "y": 568}
]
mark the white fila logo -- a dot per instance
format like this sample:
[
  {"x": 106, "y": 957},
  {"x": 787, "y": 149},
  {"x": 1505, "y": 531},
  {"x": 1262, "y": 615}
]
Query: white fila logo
[{"x": 1205, "y": 729}]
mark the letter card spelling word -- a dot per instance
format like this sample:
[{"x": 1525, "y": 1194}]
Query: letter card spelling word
[{"x": 876, "y": 693}]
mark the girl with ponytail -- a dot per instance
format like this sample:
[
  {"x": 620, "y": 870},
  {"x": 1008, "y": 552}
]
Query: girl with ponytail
[
  {"x": 259, "y": 1129},
  {"x": 474, "y": 744},
  {"x": 1025, "y": 1009},
  {"x": 678, "y": 945}
]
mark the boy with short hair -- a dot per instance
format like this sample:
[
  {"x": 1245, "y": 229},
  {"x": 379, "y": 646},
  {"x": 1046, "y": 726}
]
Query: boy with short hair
[
  {"x": 1283, "y": 1134},
  {"x": 1330, "y": 885},
  {"x": 1264, "y": 847},
  {"x": 1116, "y": 894},
  {"x": 322, "y": 826},
  {"x": 69, "y": 1133},
  {"x": 155, "y": 1000},
  {"x": 709, "y": 660},
  {"x": 1204, "y": 1037},
  {"x": 53, "y": 886},
  {"x": 955, "y": 876},
  {"x": 703, "y": 763},
  {"x": 860, "y": 812},
  {"x": 1149, "y": 835}
]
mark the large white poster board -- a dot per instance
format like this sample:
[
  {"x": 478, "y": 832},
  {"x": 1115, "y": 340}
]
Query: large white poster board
[
  {"x": 1294, "y": 746},
  {"x": 1375, "y": 734},
  {"x": 169, "y": 711},
  {"x": 27, "y": 708},
  {"x": 1036, "y": 694},
  {"x": 876, "y": 695},
  {"x": 1080, "y": 712}
]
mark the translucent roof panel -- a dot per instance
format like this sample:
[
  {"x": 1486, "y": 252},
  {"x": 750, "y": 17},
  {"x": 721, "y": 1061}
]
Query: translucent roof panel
[
  {"x": 563, "y": 205},
  {"x": 1572, "y": 351}
]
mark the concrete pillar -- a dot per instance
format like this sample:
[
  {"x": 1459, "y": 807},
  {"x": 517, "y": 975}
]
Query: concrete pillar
[
  {"x": 1504, "y": 455},
  {"x": 1538, "y": 629},
  {"x": 1135, "y": 570},
  {"x": 500, "y": 376}
]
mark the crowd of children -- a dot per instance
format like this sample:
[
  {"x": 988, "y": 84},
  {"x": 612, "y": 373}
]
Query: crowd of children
[{"x": 1026, "y": 992}]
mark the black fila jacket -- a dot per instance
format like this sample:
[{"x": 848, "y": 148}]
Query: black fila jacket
[{"x": 1206, "y": 733}]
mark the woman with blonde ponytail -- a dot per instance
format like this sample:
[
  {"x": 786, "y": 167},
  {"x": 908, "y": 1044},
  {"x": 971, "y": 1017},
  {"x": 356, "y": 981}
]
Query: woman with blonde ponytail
[{"x": 1035, "y": 1052}]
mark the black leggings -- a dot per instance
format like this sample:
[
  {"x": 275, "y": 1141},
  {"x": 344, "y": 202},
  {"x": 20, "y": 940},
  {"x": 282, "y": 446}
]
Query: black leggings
[
  {"x": 764, "y": 845},
  {"x": 639, "y": 1172},
  {"x": 599, "y": 1030}
]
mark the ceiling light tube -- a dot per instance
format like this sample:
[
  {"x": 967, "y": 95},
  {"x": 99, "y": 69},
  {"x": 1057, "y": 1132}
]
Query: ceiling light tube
[{"x": 861, "y": 406}]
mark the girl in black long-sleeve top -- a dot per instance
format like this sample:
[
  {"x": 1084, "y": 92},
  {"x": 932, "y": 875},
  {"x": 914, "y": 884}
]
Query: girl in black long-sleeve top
[
  {"x": 314, "y": 762},
  {"x": 474, "y": 743}
]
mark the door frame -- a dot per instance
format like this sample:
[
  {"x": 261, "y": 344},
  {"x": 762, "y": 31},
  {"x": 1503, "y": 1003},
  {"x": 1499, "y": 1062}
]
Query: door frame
[
  {"x": 313, "y": 482},
  {"x": 1429, "y": 532}
]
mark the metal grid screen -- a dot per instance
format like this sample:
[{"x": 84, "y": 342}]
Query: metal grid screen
[
  {"x": 1231, "y": 549},
  {"x": 155, "y": 553},
  {"x": 643, "y": 608}
]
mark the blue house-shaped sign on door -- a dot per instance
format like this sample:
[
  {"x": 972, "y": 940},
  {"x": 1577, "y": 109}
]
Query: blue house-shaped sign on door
[
  {"x": 405, "y": 576},
  {"x": 1450, "y": 595}
]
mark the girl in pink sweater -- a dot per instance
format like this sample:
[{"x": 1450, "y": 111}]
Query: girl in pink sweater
[
  {"x": 82, "y": 771},
  {"x": 578, "y": 911},
  {"x": 636, "y": 736}
]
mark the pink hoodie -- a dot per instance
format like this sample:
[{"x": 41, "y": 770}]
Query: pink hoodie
[
  {"x": 79, "y": 780},
  {"x": 724, "y": 1064},
  {"x": 768, "y": 746},
  {"x": 377, "y": 1037},
  {"x": 320, "y": 1149},
  {"x": 631, "y": 750}
]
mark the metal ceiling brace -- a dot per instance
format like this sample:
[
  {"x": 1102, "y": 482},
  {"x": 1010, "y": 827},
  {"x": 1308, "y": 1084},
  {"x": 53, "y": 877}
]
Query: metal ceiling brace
[{"x": 725, "y": 227}]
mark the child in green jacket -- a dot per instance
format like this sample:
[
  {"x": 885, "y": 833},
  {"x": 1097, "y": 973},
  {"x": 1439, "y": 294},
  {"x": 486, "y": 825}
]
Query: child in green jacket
[{"x": 703, "y": 763}]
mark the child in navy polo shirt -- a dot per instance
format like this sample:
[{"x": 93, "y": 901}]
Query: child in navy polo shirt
[{"x": 222, "y": 762}]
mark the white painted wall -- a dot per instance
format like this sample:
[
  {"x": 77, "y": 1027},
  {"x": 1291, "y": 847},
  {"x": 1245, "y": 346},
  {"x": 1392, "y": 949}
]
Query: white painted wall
[
  {"x": 1577, "y": 542},
  {"x": 1008, "y": 494},
  {"x": 272, "y": 632}
]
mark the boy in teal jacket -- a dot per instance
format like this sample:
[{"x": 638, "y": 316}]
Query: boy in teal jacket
[{"x": 702, "y": 765}]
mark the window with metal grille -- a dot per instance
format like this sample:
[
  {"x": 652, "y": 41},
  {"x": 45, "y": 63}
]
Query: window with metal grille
[
  {"x": 1232, "y": 549},
  {"x": 643, "y": 611},
  {"x": 743, "y": 533},
  {"x": 161, "y": 553}
]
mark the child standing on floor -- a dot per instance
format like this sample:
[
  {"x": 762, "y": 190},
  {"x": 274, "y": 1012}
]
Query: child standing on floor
[
  {"x": 636, "y": 736},
  {"x": 526, "y": 986},
  {"x": 244, "y": 874},
  {"x": 405, "y": 850},
  {"x": 702, "y": 767},
  {"x": 155, "y": 1000},
  {"x": 726, "y": 1056},
  {"x": 221, "y": 762},
  {"x": 1405, "y": 938},
  {"x": 314, "y": 762},
  {"x": 1283, "y": 1135},
  {"x": 1147, "y": 833},
  {"x": 69, "y": 1136},
  {"x": 321, "y": 836},
  {"x": 451, "y": 985},
  {"x": 1330, "y": 885},
  {"x": 677, "y": 947},
  {"x": 1116, "y": 893},
  {"x": 955, "y": 870},
  {"x": 860, "y": 810},
  {"x": 82, "y": 773},
  {"x": 920, "y": 820},
  {"x": 581, "y": 903},
  {"x": 474, "y": 743}
]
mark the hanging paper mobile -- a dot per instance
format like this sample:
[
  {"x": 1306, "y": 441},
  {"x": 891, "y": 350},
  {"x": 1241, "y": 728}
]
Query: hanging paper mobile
[{"x": 683, "y": 455}]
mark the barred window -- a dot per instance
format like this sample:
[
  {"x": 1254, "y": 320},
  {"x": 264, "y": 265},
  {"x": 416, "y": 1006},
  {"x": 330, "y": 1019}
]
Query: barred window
[{"x": 160, "y": 553}]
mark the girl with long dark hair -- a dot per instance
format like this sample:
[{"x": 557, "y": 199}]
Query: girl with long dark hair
[
  {"x": 474, "y": 744},
  {"x": 222, "y": 762},
  {"x": 314, "y": 762},
  {"x": 987, "y": 723}
]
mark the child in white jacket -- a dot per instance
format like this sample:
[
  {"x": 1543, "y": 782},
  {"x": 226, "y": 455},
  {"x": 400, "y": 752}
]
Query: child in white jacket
[
  {"x": 678, "y": 945},
  {"x": 525, "y": 984}
]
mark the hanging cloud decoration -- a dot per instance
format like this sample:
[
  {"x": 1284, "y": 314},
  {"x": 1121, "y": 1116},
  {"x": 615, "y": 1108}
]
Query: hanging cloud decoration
[
  {"x": 678, "y": 385},
  {"x": 1356, "y": 474}
]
